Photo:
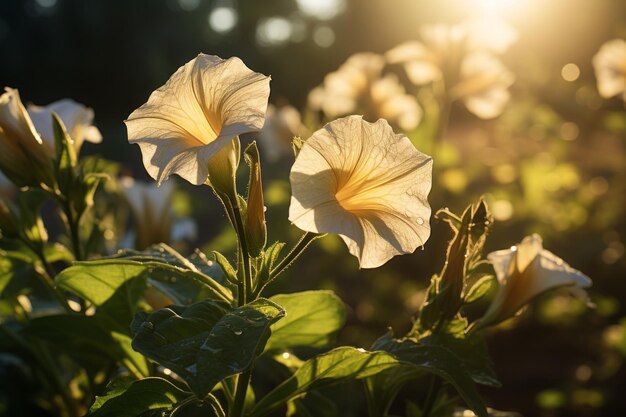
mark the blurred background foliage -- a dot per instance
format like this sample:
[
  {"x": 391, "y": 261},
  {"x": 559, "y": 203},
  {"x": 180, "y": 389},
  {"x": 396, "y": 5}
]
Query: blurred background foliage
[{"x": 554, "y": 162}]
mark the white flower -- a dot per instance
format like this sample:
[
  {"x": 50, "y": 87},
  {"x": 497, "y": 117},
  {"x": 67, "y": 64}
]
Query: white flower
[
  {"x": 610, "y": 68},
  {"x": 358, "y": 86},
  {"x": 206, "y": 104},
  {"x": 76, "y": 118},
  {"x": 526, "y": 271},
  {"x": 459, "y": 55},
  {"x": 153, "y": 218},
  {"x": 483, "y": 85},
  {"x": 489, "y": 33},
  {"x": 366, "y": 184},
  {"x": 24, "y": 157}
]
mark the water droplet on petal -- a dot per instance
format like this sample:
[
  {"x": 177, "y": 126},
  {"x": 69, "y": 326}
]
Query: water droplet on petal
[
  {"x": 238, "y": 332},
  {"x": 147, "y": 325},
  {"x": 420, "y": 220}
]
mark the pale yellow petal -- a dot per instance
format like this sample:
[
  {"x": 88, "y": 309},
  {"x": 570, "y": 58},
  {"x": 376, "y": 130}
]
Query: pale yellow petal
[
  {"x": 201, "y": 108},
  {"x": 377, "y": 179}
]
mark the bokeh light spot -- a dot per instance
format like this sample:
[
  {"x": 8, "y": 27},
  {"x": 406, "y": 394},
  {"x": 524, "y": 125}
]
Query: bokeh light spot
[
  {"x": 324, "y": 36},
  {"x": 321, "y": 9},
  {"x": 570, "y": 72},
  {"x": 223, "y": 19},
  {"x": 273, "y": 31}
]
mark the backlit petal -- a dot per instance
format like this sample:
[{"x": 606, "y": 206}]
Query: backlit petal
[
  {"x": 363, "y": 182},
  {"x": 200, "y": 109}
]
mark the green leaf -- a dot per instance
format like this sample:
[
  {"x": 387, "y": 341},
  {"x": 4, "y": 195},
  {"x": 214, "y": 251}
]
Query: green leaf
[
  {"x": 206, "y": 341},
  {"x": 471, "y": 351},
  {"x": 480, "y": 288},
  {"x": 337, "y": 365},
  {"x": 116, "y": 286},
  {"x": 126, "y": 398},
  {"x": 226, "y": 266},
  {"x": 83, "y": 334},
  {"x": 312, "y": 319},
  {"x": 65, "y": 155},
  {"x": 437, "y": 360}
]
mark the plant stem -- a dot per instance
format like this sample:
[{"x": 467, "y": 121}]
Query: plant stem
[
  {"x": 297, "y": 250},
  {"x": 73, "y": 225},
  {"x": 431, "y": 396},
  {"x": 240, "y": 393},
  {"x": 245, "y": 256}
]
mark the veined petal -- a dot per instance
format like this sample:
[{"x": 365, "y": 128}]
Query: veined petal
[
  {"x": 200, "y": 109},
  {"x": 363, "y": 182}
]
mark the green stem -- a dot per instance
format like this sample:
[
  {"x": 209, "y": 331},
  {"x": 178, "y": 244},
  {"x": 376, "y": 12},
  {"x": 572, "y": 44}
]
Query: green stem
[
  {"x": 73, "y": 225},
  {"x": 431, "y": 396},
  {"x": 297, "y": 250},
  {"x": 245, "y": 256},
  {"x": 240, "y": 393}
]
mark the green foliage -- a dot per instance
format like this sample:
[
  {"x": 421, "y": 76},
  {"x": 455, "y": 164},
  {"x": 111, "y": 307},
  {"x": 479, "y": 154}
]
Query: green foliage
[
  {"x": 337, "y": 365},
  {"x": 131, "y": 398},
  {"x": 206, "y": 341},
  {"x": 312, "y": 319}
]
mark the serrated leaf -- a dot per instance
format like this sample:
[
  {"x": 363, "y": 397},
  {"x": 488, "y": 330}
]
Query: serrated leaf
[
  {"x": 207, "y": 341},
  {"x": 127, "y": 398},
  {"x": 312, "y": 319}
]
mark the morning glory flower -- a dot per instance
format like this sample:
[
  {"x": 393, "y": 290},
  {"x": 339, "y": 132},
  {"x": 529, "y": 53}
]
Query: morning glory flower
[
  {"x": 76, "y": 118},
  {"x": 526, "y": 271},
  {"x": 203, "y": 107},
  {"x": 359, "y": 86},
  {"x": 24, "y": 157},
  {"x": 456, "y": 55},
  {"x": 610, "y": 68},
  {"x": 365, "y": 183}
]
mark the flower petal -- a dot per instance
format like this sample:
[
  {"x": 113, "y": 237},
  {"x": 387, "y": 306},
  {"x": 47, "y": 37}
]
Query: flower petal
[
  {"x": 200, "y": 109},
  {"x": 76, "y": 118},
  {"x": 365, "y": 183}
]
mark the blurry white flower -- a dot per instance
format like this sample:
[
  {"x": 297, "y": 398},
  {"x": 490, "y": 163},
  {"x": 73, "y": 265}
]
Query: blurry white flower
[
  {"x": 153, "y": 218},
  {"x": 281, "y": 125},
  {"x": 358, "y": 86},
  {"x": 24, "y": 157},
  {"x": 206, "y": 104},
  {"x": 366, "y": 184},
  {"x": 483, "y": 85},
  {"x": 610, "y": 68},
  {"x": 76, "y": 118},
  {"x": 526, "y": 271},
  {"x": 459, "y": 55}
]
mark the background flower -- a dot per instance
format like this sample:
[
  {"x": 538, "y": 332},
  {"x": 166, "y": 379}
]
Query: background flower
[
  {"x": 610, "y": 67},
  {"x": 77, "y": 119},
  {"x": 366, "y": 184},
  {"x": 526, "y": 271},
  {"x": 152, "y": 214},
  {"x": 359, "y": 86},
  {"x": 206, "y": 104}
]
